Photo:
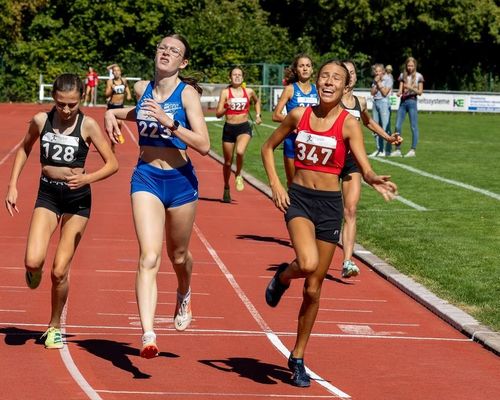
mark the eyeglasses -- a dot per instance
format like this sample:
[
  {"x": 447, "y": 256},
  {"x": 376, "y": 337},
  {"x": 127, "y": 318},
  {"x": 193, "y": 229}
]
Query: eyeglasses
[{"x": 175, "y": 51}]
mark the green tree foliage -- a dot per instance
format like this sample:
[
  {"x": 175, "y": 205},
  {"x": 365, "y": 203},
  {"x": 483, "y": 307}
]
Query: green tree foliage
[
  {"x": 451, "y": 39},
  {"x": 225, "y": 33},
  {"x": 455, "y": 41}
]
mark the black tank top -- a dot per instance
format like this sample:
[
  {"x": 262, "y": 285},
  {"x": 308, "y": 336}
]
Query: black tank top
[
  {"x": 63, "y": 150},
  {"x": 355, "y": 111}
]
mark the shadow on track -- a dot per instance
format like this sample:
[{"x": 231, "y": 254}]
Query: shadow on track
[
  {"x": 117, "y": 353},
  {"x": 18, "y": 336},
  {"x": 252, "y": 369},
  {"x": 257, "y": 238}
]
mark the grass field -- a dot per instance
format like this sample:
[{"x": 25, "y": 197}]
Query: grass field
[{"x": 446, "y": 233}]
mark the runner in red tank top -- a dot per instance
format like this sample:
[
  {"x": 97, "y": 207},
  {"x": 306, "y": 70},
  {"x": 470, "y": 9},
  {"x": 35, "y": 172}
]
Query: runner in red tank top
[
  {"x": 313, "y": 203},
  {"x": 234, "y": 104}
]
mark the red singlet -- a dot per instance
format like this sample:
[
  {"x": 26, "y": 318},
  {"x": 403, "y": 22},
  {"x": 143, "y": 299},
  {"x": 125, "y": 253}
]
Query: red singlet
[
  {"x": 320, "y": 151},
  {"x": 238, "y": 105}
]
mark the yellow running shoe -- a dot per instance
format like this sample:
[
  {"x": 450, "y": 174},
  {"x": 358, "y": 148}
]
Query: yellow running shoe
[
  {"x": 33, "y": 278},
  {"x": 239, "y": 183},
  {"x": 53, "y": 338}
]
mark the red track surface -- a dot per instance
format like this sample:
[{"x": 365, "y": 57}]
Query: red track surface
[{"x": 370, "y": 340}]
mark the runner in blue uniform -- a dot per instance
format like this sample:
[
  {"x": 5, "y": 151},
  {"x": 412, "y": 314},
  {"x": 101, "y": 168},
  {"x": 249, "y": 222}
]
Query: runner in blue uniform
[
  {"x": 299, "y": 92},
  {"x": 164, "y": 187}
]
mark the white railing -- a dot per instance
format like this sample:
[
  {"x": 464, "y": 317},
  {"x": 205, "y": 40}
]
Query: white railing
[{"x": 431, "y": 100}]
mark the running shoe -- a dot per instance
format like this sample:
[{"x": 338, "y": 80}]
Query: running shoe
[
  {"x": 33, "y": 278},
  {"x": 374, "y": 154},
  {"x": 183, "y": 314},
  {"x": 411, "y": 153},
  {"x": 226, "y": 198},
  {"x": 349, "y": 269},
  {"x": 149, "y": 347},
  {"x": 53, "y": 338},
  {"x": 396, "y": 153},
  {"x": 275, "y": 288},
  {"x": 300, "y": 377},
  {"x": 239, "y": 183}
]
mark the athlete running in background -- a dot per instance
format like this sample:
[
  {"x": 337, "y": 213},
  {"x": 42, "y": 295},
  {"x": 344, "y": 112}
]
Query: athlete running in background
[
  {"x": 234, "y": 104},
  {"x": 298, "y": 92},
  {"x": 350, "y": 175},
  {"x": 91, "y": 82},
  {"x": 117, "y": 90},
  {"x": 164, "y": 187},
  {"x": 313, "y": 203},
  {"x": 64, "y": 196}
]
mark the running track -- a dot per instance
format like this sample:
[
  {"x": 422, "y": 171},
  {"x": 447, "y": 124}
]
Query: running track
[{"x": 370, "y": 341}]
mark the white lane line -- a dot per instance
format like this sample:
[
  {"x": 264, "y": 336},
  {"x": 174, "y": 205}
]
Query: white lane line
[
  {"x": 13, "y": 287},
  {"x": 369, "y": 323},
  {"x": 5, "y": 158},
  {"x": 404, "y": 201},
  {"x": 273, "y": 338},
  {"x": 493, "y": 195},
  {"x": 13, "y": 311},
  {"x": 130, "y": 133},
  {"x": 71, "y": 366},
  {"x": 100, "y": 330},
  {"x": 341, "y": 310},
  {"x": 269, "y": 126},
  {"x": 217, "y": 395},
  {"x": 410, "y": 203}
]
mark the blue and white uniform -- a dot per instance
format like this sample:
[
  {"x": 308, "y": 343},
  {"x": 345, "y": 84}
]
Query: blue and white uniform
[
  {"x": 151, "y": 132},
  {"x": 298, "y": 99},
  {"x": 174, "y": 187}
]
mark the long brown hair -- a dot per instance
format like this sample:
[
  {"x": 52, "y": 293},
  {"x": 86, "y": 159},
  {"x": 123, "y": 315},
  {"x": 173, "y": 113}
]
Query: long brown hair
[
  {"x": 187, "y": 55},
  {"x": 67, "y": 83},
  {"x": 413, "y": 74},
  {"x": 291, "y": 74}
]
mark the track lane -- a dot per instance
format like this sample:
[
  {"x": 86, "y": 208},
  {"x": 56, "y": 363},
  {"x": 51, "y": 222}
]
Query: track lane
[{"x": 370, "y": 340}]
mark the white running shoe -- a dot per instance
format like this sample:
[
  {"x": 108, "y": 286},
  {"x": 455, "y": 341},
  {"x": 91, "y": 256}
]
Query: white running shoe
[
  {"x": 411, "y": 153},
  {"x": 349, "y": 269},
  {"x": 374, "y": 154},
  {"x": 381, "y": 154},
  {"x": 183, "y": 314},
  {"x": 396, "y": 153},
  {"x": 149, "y": 347}
]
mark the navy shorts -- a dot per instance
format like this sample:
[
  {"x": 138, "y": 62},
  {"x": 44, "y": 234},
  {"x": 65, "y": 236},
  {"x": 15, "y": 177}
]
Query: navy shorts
[
  {"x": 56, "y": 196},
  {"x": 174, "y": 187},
  {"x": 231, "y": 131},
  {"x": 323, "y": 208},
  {"x": 350, "y": 166},
  {"x": 289, "y": 145}
]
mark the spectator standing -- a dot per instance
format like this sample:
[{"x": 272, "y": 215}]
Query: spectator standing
[
  {"x": 411, "y": 85},
  {"x": 380, "y": 90}
]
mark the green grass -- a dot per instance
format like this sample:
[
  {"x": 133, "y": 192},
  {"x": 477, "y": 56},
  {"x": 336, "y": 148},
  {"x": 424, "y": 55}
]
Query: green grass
[{"x": 453, "y": 247}]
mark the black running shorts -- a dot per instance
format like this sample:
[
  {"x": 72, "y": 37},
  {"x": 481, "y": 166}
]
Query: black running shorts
[
  {"x": 56, "y": 196},
  {"x": 231, "y": 131},
  {"x": 323, "y": 208}
]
